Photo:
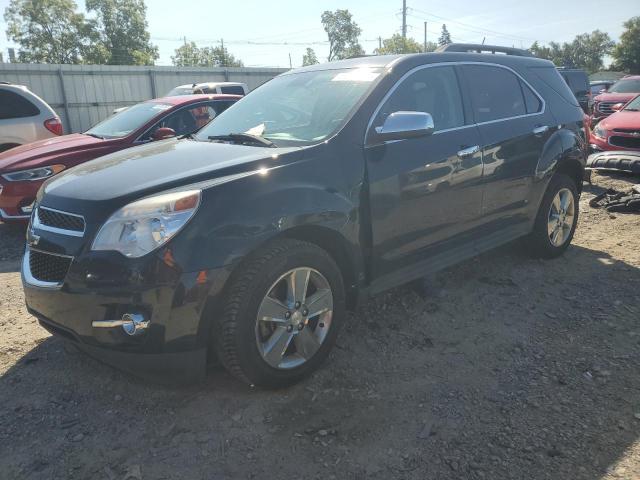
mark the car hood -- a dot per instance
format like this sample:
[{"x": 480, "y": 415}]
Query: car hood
[
  {"x": 34, "y": 154},
  {"x": 157, "y": 166},
  {"x": 615, "y": 97},
  {"x": 622, "y": 119}
]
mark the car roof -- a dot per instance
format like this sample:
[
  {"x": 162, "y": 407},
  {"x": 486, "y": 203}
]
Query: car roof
[
  {"x": 630, "y": 77},
  {"x": 414, "y": 59},
  {"x": 186, "y": 99}
]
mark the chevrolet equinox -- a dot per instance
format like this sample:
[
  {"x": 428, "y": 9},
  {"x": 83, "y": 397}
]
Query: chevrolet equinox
[{"x": 250, "y": 239}]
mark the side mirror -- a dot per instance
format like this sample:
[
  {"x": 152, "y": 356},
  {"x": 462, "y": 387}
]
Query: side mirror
[
  {"x": 164, "y": 132},
  {"x": 617, "y": 107},
  {"x": 401, "y": 125}
]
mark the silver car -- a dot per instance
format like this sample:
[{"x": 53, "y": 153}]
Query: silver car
[{"x": 25, "y": 117}]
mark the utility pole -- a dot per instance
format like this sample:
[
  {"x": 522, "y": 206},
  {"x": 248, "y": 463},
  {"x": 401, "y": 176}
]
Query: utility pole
[
  {"x": 290, "y": 64},
  {"x": 425, "y": 37},
  {"x": 379, "y": 43},
  {"x": 404, "y": 20}
]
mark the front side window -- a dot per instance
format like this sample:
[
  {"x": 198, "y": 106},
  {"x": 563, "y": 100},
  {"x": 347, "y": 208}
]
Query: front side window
[
  {"x": 13, "y": 105},
  {"x": 496, "y": 93},
  {"x": 296, "y": 109},
  {"x": 188, "y": 120},
  {"x": 432, "y": 90},
  {"x": 630, "y": 85},
  {"x": 123, "y": 123}
]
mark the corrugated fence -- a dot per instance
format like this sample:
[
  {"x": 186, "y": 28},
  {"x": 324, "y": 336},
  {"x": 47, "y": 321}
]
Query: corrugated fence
[{"x": 82, "y": 95}]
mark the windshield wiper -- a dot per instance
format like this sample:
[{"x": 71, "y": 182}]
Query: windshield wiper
[
  {"x": 94, "y": 135},
  {"x": 244, "y": 138}
]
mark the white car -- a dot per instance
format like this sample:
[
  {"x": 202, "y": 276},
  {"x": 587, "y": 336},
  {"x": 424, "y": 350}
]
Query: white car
[
  {"x": 25, "y": 117},
  {"x": 230, "y": 88}
]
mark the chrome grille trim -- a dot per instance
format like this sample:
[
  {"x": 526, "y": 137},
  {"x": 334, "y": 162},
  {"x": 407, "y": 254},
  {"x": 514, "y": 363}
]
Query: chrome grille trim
[
  {"x": 605, "y": 107},
  {"x": 30, "y": 279},
  {"x": 36, "y": 223}
]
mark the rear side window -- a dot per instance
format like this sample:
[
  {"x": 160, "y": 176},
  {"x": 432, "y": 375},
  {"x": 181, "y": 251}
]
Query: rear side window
[
  {"x": 232, "y": 90},
  {"x": 432, "y": 90},
  {"x": 552, "y": 78},
  {"x": 13, "y": 105},
  {"x": 531, "y": 100},
  {"x": 496, "y": 93}
]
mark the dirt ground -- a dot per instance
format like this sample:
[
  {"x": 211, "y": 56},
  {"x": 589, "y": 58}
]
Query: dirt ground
[{"x": 500, "y": 368}]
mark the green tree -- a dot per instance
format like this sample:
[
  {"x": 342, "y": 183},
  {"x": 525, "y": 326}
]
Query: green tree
[
  {"x": 397, "y": 44},
  {"x": 343, "y": 34},
  {"x": 445, "y": 36},
  {"x": 49, "y": 31},
  {"x": 626, "y": 54},
  {"x": 187, "y": 55},
  {"x": 309, "y": 58},
  {"x": 190, "y": 55},
  {"x": 586, "y": 51},
  {"x": 124, "y": 39}
]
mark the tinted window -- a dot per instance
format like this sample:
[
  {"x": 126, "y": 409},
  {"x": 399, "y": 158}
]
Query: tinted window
[
  {"x": 13, "y": 105},
  {"x": 431, "y": 90},
  {"x": 577, "y": 82},
  {"x": 552, "y": 78},
  {"x": 232, "y": 90},
  {"x": 495, "y": 93},
  {"x": 531, "y": 100}
]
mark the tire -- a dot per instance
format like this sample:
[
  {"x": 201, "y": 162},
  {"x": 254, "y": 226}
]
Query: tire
[
  {"x": 263, "y": 284},
  {"x": 541, "y": 242}
]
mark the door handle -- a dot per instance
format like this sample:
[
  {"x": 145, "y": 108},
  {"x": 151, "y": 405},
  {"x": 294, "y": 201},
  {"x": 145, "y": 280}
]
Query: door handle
[
  {"x": 467, "y": 152},
  {"x": 540, "y": 130}
]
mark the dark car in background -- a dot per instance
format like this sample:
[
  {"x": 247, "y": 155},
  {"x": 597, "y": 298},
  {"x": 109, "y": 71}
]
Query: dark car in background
[
  {"x": 622, "y": 91},
  {"x": 251, "y": 239},
  {"x": 23, "y": 169},
  {"x": 578, "y": 82}
]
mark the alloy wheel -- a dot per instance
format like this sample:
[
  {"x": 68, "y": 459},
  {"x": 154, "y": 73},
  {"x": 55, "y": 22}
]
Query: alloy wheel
[{"x": 561, "y": 217}]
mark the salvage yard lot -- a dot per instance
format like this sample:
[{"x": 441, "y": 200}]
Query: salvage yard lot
[{"x": 502, "y": 367}]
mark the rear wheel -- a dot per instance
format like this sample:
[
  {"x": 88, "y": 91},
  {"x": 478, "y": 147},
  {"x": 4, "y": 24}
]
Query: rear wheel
[
  {"x": 556, "y": 220},
  {"x": 282, "y": 314}
]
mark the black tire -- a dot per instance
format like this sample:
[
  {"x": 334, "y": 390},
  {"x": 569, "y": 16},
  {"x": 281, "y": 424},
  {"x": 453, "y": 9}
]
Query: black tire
[
  {"x": 234, "y": 333},
  {"x": 538, "y": 242}
]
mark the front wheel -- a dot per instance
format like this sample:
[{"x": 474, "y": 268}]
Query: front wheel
[
  {"x": 556, "y": 220},
  {"x": 282, "y": 314}
]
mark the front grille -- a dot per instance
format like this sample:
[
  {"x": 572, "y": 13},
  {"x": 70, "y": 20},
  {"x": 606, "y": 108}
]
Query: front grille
[
  {"x": 605, "y": 107},
  {"x": 624, "y": 142},
  {"x": 630, "y": 131},
  {"x": 46, "y": 267},
  {"x": 60, "y": 220}
]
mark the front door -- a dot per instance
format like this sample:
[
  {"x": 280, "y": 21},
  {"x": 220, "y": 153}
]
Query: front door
[{"x": 427, "y": 190}]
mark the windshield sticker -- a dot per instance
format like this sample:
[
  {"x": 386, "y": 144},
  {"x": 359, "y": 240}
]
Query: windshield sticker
[
  {"x": 356, "y": 75},
  {"x": 257, "y": 130}
]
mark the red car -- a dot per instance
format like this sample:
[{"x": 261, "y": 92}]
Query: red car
[
  {"x": 619, "y": 131},
  {"x": 620, "y": 92},
  {"x": 23, "y": 169}
]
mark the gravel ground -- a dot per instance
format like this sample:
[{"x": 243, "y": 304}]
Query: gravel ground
[{"x": 500, "y": 368}]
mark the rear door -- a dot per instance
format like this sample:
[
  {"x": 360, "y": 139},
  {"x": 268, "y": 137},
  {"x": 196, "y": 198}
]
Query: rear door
[
  {"x": 423, "y": 191},
  {"x": 514, "y": 127}
]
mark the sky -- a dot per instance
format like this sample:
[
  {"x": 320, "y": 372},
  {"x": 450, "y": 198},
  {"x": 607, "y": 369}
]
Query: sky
[{"x": 269, "y": 32}]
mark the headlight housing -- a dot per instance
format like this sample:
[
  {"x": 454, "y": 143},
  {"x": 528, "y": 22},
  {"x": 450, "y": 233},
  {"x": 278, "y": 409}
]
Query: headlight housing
[
  {"x": 144, "y": 225},
  {"x": 33, "y": 174},
  {"x": 600, "y": 132}
]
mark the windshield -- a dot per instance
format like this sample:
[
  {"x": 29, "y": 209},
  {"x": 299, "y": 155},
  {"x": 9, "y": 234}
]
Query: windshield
[
  {"x": 633, "y": 105},
  {"x": 179, "y": 91},
  {"x": 123, "y": 123},
  {"x": 626, "y": 86},
  {"x": 296, "y": 109}
]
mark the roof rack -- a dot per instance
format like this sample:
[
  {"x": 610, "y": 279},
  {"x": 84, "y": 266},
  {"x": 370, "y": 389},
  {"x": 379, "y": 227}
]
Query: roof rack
[{"x": 479, "y": 48}]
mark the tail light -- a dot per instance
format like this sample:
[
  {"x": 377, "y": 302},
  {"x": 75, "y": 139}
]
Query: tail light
[{"x": 54, "y": 125}]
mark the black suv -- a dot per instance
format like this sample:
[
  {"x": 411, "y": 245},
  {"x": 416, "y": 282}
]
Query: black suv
[{"x": 251, "y": 239}]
